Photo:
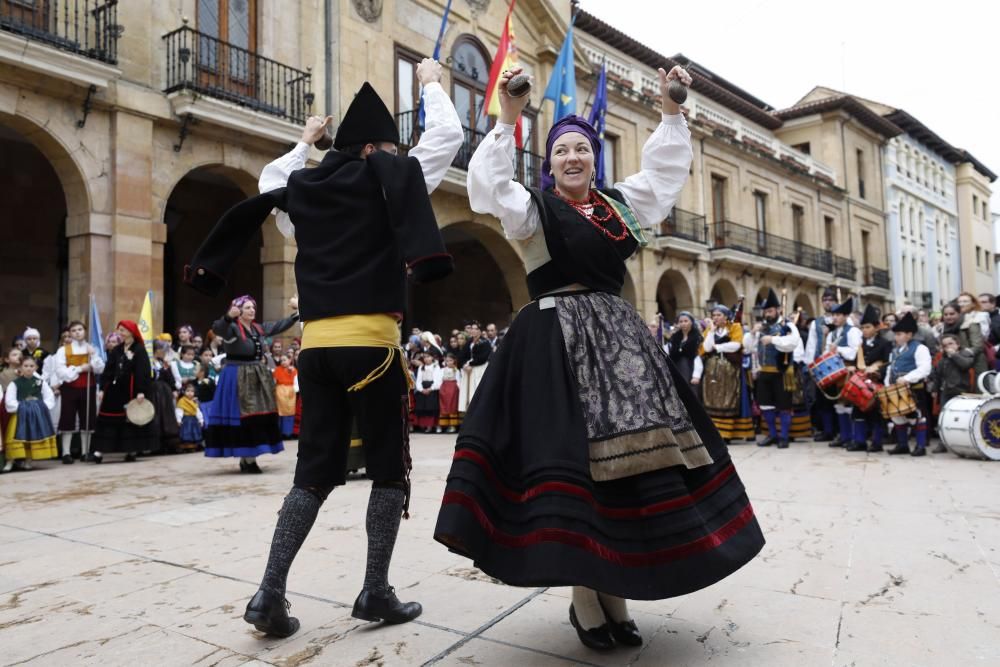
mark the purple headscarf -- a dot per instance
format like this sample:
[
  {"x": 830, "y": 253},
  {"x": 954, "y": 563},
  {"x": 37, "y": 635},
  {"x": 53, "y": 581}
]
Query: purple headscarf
[
  {"x": 240, "y": 300},
  {"x": 564, "y": 126}
]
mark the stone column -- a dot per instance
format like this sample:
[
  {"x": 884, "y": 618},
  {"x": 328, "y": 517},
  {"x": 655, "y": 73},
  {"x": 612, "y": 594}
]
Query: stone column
[{"x": 277, "y": 257}]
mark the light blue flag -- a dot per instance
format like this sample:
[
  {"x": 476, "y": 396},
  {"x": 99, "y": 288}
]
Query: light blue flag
[
  {"x": 96, "y": 332},
  {"x": 597, "y": 113},
  {"x": 562, "y": 86}
]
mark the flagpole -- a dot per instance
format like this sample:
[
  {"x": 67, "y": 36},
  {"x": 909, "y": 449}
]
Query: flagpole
[{"x": 86, "y": 419}]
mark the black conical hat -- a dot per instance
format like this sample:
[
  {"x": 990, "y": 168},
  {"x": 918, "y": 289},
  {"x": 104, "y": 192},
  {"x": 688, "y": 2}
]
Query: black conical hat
[
  {"x": 771, "y": 301},
  {"x": 906, "y": 324},
  {"x": 872, "y": 315},
  {"x": 844, "y": 308},
  {"x": 367, "y": 120}
]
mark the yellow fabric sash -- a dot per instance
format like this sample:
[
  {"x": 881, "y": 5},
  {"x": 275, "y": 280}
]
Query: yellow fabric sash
[
  {"x": 374, "y": 330},
  {"x": 188, "y": 407}
]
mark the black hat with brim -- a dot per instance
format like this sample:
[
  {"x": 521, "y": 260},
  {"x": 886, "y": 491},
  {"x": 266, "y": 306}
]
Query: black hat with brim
[
  {"x": 907, "y": 324},
  {"x": 367, "y": 121}
]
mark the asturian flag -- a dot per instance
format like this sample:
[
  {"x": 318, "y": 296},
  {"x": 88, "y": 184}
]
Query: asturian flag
[{"x": 562, "y": 85}]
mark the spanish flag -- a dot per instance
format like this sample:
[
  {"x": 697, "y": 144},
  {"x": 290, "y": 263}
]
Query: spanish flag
[
  {"x": 505, "y": 58},
  {"x": 146, "y": 323}
]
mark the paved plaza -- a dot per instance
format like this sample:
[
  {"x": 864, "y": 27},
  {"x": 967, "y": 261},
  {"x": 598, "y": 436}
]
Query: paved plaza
[{"x": 870, "y": 560}]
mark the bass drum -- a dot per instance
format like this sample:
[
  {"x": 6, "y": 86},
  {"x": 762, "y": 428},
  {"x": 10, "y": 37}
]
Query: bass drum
[{"x": 969, "y": 426}]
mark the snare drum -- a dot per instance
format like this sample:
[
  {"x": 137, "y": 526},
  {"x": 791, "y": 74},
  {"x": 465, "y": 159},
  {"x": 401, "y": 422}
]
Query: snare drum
[
  {"x": 896, "y": 400},
  {"x": 969, "y": 426},
  {"x": 828, "y": 370},
  {"x": 859, "y": 391}
]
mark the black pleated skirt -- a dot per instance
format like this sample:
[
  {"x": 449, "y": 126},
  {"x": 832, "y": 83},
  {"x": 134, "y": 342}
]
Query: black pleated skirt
[{"x": 521, "y": 503}]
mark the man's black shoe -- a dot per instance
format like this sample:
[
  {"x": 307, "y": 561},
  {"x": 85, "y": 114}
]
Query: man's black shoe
[
  {"x": 837, "y": 442},
  {"x": 857, "y": 447},
  {"x": 823, "y": 437},
  {"x": 767, "y": 442},
  {"x": 67, "y": 459},
  {"x": 900, "y": 449},
  {"x": 372, "y": 607},
  {"x": 874, "y": 448},
  {"x": 782, "y": 444},
  {"x": 269, "y": 613},
  {"x": 919, "y": 451},
  {"x": 599, "y": 639}
]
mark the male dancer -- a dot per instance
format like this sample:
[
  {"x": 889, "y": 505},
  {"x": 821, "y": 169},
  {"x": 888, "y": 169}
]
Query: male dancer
[
  {"x": 875, "y": 350},
  {"x": 76, "y": 366},
  {"x": 820, "y": 405},
  {"x": 776, "y": 341},
  {"x": 362, "y": 221},
  {"x": 845, "y": 340}
]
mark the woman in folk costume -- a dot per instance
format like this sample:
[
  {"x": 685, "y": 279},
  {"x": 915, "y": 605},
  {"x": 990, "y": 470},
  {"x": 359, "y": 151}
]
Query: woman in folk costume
[
  {"x": 479, "y": 351},
  {"x": 30, "y": 435},
  {"x": 724, "y": 385},
  {"x": 449, "y": 418},
  {"x": 683, "y": 348},
  {"x": 909, "y": 365},
  {"x": 127, "y": 377},
  {"x": 163, "y": 392},
  {"x": 875, "y": 351},
  {"x": 363, "y": 224},
  {"x": 243, "y": 420},
  {"x": 844, "y": 339},
  {"x": 77, "y": 365},
  {"x": 285, "y": 394},
  {"x": 581, "y": 461}
]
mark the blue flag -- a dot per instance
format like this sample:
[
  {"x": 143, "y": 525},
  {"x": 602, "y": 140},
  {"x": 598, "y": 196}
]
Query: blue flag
[
  {"x": 597, "y": 113},
  {"x": 562, "y": 85},
  {"x": 437, "y": 56},
  {"x": 96, "y": 333}
]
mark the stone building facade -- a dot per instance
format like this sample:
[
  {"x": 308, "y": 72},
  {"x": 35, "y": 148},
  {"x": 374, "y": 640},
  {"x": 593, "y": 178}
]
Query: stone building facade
[{"x": 128, "y": 129}]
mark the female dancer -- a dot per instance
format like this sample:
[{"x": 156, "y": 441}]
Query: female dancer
[
  {"x": 683, "y": 347},
  {"x": 243, "y": 418},
  {"x": 585, "y": 459}
]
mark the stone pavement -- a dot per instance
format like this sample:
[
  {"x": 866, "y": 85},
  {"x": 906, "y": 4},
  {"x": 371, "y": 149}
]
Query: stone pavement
[{"x": 869, "y": 561}]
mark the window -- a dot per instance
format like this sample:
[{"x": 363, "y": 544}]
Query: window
[
  {"x": 798, "y": 221},
  {"x": 978, "y": 258},
  {"x": 975, "y": 205},
  {"x": 861, "y": 173},
  {"x": 803, "y": 147},
  {"x": 235, "y": 22},
  {"x": 760, "y": 210},
  {"x": 865, "y": 248},
  {"x": 470, "y": 72},
  {"x": 986, "y": 260},
  {"x": 718, "y": 198},
  {"x": 407, "y": 86},
  {"x": 986, "y": 212},
  {"x": 920, "y": 226},
  {"x": 610, "y": 158},
  {"x": 828, "y": 231}
]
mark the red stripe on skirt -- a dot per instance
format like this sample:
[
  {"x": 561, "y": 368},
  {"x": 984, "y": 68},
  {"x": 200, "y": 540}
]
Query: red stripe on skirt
[
  {"x": 587, "y": 543},
  {"x": 583, "y": 494}
]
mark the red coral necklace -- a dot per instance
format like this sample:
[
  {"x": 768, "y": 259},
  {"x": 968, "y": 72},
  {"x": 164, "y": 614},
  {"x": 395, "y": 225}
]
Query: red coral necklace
[{"x": 588, "y": 209}]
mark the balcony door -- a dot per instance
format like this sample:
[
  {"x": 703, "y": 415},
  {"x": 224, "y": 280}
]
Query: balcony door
[
  {"x": 31, "y": 16},
  {"x": 469, "y": 75},
  {"x": 225, "y": 50}
]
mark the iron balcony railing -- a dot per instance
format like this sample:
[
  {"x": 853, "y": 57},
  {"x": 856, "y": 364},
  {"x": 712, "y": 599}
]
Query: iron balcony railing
[
  {"x": 877, "y": 278},
  {"x": 209, "y": 66},
  {"x": 84, "y": 27},
  {"x": 844, "y": 268},
  {"x": 684, "y": 225},
  {"x": 730, "y": 235},
  {"x": 527, "y": 165}
]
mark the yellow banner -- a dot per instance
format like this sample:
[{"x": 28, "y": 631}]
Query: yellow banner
[{"x": 145, "y": 323}]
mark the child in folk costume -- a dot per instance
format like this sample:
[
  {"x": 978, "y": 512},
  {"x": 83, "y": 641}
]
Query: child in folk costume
[
  {"x": 428, "y": 383},
  {"x": 32, "y": 346},
  {"x": 189, "y": 418},
  {"x": 285, "y": 395},
  {"x": 844, "y": 339},
  {"x": 950, "y": 377},
  {"x": 77, "y": 363},
  {"x": 184, "y": 367},
  {"x": 875, "y": 352},
  {"x": 448, "y": 417},
  {"x": 9, "y": 373},
  {"x": 909, "y": 366},
  {"x": 776, "y": 341},
  {"x": 29, "y": 434}
]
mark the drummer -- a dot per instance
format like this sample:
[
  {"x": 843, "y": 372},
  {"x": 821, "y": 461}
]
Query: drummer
[
  {"x": 820, "y": 406},
  {"x": 844, "y": 340},
  {"x": 776, "y": 341},
  {"x": 909, "y": 367},
  {"x": 875, "y": 352}
]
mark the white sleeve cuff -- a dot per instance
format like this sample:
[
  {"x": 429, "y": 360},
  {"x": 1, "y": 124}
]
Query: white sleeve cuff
[
  {"x": 504, "y": 129},
  {"x": 673, "y": 118}
]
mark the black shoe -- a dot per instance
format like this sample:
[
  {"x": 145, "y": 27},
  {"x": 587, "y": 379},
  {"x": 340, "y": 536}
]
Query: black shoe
[
  {"x": 130, "y": 457},
  {"x": 874, "y": 448},
  {"x": 243, "y": 466},
  {"x": 900, "y": 449},
  {"x": 269, "y": 614},
  {"x": 919, "y": 451},
  {"x": 599, "y": 639},
  {"x": 626, "y": 632},
  {"x": 96, "y": 457},
  {"x": 782, "y": 444},
  {"x": 67, "y": 459},
  {"x": 823, "y": 437},
  {"x": 767, "y": 442},
  {"x": 253, "y": 468},
  {"x": 837, "y": 442},
  {"x": 372, "y": 607},
  {"x": 857, "y": 447}
]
